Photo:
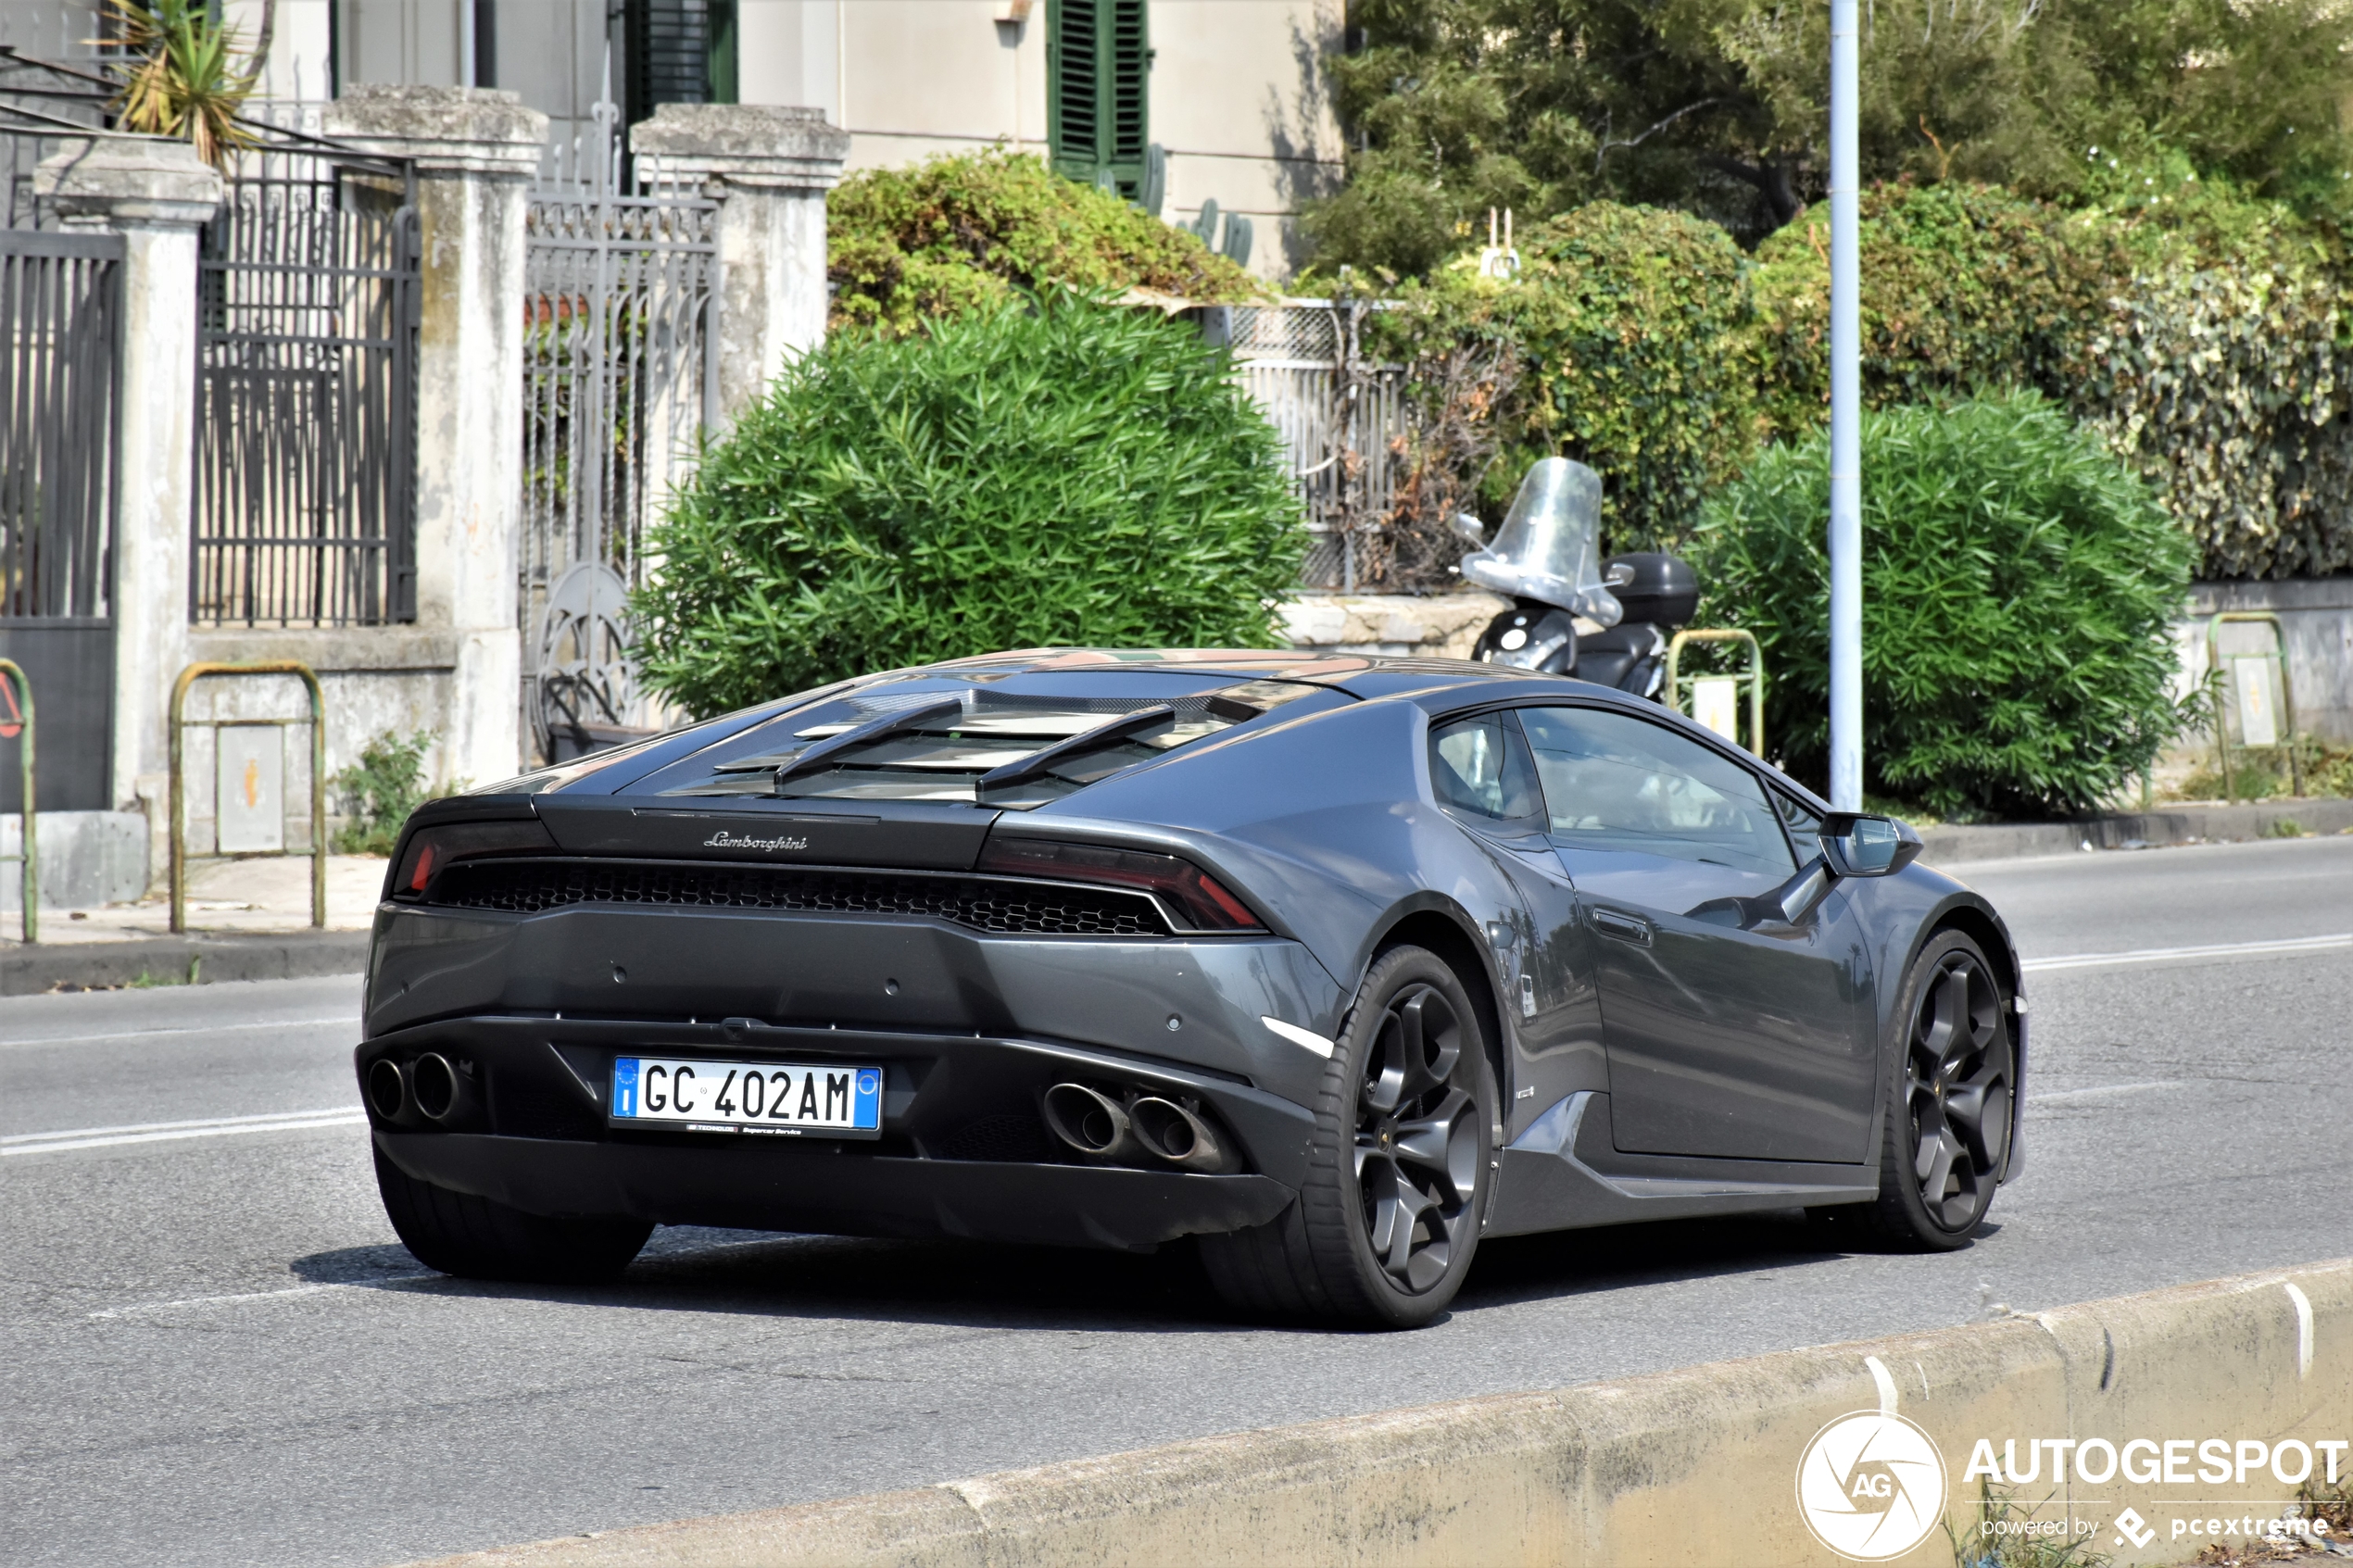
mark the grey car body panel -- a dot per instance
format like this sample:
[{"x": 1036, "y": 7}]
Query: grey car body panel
[
  {"x": 1320, "y": 816},
  {"x": 1565, "y": 1172}
]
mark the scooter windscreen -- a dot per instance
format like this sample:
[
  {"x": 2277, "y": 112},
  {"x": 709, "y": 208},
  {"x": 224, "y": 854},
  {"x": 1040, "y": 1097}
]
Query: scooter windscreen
[{"x": 1549, "y": 546}]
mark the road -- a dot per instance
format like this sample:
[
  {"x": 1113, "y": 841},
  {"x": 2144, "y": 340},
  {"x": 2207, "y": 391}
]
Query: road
[{"x": 213, "y": 1350}]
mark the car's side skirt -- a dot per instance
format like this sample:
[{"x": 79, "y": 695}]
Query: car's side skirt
[{"x": 1562, "y": 1173}]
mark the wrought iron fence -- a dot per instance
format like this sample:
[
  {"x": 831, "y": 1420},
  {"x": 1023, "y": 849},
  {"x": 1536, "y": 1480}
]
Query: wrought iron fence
[
  {"x": 1343, "y": 420},
  {"x": 60, "y": 343},
  {"x": 60, "y": 347},
  {"x": 43, "y": 103},
  {"x": 619, "y": 372},
  {"x": 305, "y": 419}
]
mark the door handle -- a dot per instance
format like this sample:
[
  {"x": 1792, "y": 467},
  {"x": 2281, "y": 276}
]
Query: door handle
[{"x": 1625, "y": 928}]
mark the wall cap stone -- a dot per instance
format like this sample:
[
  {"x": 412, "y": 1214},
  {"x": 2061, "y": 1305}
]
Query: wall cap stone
[
  {"x": 444, "y": 130},
  {"x": 135, "y": 182},
  {"x": 758, "y": 144}
]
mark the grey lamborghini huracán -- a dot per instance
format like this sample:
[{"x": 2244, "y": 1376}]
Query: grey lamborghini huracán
[{"x": 1326, "y": 966}]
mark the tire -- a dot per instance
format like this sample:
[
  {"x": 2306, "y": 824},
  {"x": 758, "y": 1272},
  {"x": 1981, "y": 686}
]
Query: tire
[
  {"x": 1399, "y": 1169},
  {"x": 477, "y": 1239},
  {"x": 1949, "y": 1108}
]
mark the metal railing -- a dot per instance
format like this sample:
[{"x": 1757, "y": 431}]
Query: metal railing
[
  {"x": 18, "y": 726},
  {"x": 1677, "y": 681},
  {"x": 307, "y": 390},
  {"x": 179, "y": 723}
]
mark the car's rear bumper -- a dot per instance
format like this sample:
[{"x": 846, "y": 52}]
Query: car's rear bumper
[
  {"x": 964, "y": 1151},
  {"x": 763, "y": 1187}
]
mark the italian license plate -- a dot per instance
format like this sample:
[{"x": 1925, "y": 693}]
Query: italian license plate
[{"x": 775, "y": 1097}]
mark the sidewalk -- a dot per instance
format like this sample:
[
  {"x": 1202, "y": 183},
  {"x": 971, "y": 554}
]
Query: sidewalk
[
  {"x": 247, "y": 919},
  {"x": 2164, "y": 827}
]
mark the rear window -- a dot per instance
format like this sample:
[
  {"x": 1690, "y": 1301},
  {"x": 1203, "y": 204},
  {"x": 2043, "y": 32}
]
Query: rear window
[{"x": 991, "y": 744}]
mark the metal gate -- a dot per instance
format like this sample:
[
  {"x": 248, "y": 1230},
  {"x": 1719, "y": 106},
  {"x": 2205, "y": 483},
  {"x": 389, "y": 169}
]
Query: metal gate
[
  {"x": 60, "y": 344},
  {"x": 1341, "y": 418},
  {"x": 306, "y": 509},
  {"x": 620, "y": 370}
]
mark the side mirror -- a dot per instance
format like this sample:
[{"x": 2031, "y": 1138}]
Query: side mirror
[
  {"x": 1468, "y": 527},
  {"x": 1856, "y": 845}
]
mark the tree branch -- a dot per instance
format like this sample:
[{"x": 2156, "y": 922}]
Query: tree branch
[{"x": 1608, "y": 145}]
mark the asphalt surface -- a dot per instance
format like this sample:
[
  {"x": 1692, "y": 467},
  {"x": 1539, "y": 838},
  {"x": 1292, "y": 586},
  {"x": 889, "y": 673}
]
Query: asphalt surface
[{"x": 213, "y": 1350}]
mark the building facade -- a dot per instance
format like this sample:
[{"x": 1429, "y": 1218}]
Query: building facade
[{"x": 1233, "y": 92}]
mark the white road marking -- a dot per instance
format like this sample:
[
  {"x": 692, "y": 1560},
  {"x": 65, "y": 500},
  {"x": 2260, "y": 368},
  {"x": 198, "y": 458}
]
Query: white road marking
[
  {"x": 2219, "y": 950},
  {"x": 352, "y": 1018},
  {"x": 2065, "y": 1097},
  {"x": 263, "y": 1295},
  {"x": 166, "y": 1132}
]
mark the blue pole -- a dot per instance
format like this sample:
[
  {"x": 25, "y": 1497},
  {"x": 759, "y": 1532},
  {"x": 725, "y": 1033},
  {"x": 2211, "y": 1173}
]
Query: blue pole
[{"x": 1846, "y": 433}]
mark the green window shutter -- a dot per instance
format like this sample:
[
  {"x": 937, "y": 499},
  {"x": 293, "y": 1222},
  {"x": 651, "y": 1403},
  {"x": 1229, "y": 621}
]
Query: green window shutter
[{"x": 1099, "y": 91}]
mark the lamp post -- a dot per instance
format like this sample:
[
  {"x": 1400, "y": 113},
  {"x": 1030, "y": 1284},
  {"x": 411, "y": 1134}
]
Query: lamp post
[{"x": 1846, "y": 434}]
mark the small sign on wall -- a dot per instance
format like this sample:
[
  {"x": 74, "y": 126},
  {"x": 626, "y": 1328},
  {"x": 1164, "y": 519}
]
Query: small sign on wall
[
  {"x": 252, "y": 809},
  {"x": 1716, "y": 702},
  {"x": 2259, "y": 720}
]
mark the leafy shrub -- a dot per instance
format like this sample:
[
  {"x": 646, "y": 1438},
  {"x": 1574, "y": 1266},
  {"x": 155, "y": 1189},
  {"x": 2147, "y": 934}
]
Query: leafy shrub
[
  {"x": 2018, "y": 585},
  {"x": 1964, "y": 288},
  {"x": 1050, "y": 474},
  {"x": 1624, "y": 323},
  {"x": 2198, "y": 332},
  {"x": 968, "y": 233},
  {"x": 379, "y": 790}
]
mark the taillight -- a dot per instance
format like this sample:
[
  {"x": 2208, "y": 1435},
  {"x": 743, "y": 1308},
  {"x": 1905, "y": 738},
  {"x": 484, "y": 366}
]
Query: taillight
[
  {"x": 431, "y": 851},
  {"x": 1195, "y": 898}
]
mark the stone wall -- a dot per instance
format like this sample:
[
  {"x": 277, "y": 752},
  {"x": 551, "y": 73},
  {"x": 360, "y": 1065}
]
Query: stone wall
[{"x": 1437, "y": 626}]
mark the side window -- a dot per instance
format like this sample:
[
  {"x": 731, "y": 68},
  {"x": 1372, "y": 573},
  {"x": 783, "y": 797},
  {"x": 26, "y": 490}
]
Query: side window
[
  {"x": 1612, "y": 780},
  {"x": 1482, "y": 766},
  {"x": 1804, "y": 827}
]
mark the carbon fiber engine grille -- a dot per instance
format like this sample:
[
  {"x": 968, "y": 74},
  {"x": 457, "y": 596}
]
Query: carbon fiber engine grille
[{"x": 978, "y": 903}]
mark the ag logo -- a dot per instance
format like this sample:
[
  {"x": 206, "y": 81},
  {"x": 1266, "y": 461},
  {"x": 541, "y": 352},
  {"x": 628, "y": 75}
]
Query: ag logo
[{"x": 1871, "y": 1486}]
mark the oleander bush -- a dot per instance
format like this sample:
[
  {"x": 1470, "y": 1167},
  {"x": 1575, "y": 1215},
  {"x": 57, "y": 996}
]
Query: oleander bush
[
  {"x": 2019, "y": 588},
  {"x": 970, "y": 232},
  {"x": 1056, "y": 471}
]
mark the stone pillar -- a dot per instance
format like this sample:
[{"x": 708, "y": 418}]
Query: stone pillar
[
  {"x": 770, "y": 168},
  {"x": 156, "y": 193},
  {"x": 475, "y": 151}
]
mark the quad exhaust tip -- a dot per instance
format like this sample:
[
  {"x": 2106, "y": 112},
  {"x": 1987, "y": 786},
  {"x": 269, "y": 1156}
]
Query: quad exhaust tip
[
  {"x": 1093, "y": 1123},
  {"x": 441, "y": 1092},
  {"x": 1172, "y": 1133},
  {"x": 1146, "y": 1130},
  {"x": 387, "y": 1088}
]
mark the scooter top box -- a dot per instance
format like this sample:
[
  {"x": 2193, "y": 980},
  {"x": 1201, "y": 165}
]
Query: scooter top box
[{"x": 1660, "y": 589}]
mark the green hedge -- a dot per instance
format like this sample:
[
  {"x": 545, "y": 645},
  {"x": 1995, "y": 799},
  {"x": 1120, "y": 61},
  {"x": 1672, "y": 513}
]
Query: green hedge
[
  {"x": 1626, "y": 327},
  {"x": 2199, "y": 333},
  {"x": 2202, "y": 334},
  {"x": 2019, "y": 589},
  {"x": 971, "y": 231},
  {"x": 1055, "y": 472}
]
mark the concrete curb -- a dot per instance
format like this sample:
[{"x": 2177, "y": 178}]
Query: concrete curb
[
  {"x": 1695, "y": 1466},
  {"x": 2173, "y": 825},
  {"x": 164, "y": 959}
]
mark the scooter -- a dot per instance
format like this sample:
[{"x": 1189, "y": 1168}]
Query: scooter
[{"x": 1573, "y": 613}]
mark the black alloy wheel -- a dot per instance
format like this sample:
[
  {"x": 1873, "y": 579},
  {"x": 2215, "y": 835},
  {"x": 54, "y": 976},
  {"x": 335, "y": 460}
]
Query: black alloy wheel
[
  {"x": 1399, "y": 1167},
  {"x": 1957, "y": 1089},
  {"x": 1950, "y": 1104},
  {"x": 1417, "y": 1145}
]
